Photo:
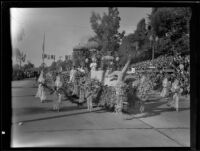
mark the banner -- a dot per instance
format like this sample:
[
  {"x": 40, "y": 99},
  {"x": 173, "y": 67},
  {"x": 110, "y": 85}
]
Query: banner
[
  {"x": 49, "y": 57},
  {"x": 44, "y": 56}
]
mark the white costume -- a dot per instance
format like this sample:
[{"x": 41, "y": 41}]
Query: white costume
[
  {"x": 72, "y": 75},
  {"x": 166, "y": 84},
  {"x": 58, "y": 82},
  {"x": 41, "y": 92},
  {"x": 93, "y": 66},
  {"x": 176, "y": 90},
  {"x": 58, "y": 85},
  {"x": 93, "y": 70}
]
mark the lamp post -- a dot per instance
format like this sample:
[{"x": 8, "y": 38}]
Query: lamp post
[
  {"x": 151, "y": 43},
  {"x": 153, "y": 40}
]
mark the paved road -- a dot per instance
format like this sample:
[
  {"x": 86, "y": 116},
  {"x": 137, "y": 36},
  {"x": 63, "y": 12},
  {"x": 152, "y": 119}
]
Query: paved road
[{"x": 73, "y": 127}]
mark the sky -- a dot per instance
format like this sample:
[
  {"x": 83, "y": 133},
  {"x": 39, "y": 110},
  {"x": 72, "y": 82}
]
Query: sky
[{"x": 64, "y": 28}]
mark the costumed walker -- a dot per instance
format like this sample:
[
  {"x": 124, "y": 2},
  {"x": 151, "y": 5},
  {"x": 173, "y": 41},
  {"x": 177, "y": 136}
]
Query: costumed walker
[{"x": 41, "y": 90}]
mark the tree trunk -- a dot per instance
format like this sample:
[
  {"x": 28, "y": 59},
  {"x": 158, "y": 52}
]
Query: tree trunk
[{"x": 124, "y": 70}]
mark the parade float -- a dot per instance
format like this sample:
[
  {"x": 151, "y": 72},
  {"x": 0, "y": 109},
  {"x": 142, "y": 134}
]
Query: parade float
[{"x": 110, "y": 85}]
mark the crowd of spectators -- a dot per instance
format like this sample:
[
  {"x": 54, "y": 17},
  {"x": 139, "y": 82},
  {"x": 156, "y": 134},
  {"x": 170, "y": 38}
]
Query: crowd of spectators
[{"x": 21, "y": 74}]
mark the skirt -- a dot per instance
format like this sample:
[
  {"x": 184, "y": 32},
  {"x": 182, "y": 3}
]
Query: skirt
[
  {"x": 165, "y": 92},
  {"x": 41, "y": 93}
]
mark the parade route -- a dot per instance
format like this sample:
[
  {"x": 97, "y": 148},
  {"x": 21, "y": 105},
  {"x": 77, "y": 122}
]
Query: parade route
[{"x": 35, "y": 124}]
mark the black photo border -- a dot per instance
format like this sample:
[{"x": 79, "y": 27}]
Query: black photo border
[{"x": 6, "y": 64}]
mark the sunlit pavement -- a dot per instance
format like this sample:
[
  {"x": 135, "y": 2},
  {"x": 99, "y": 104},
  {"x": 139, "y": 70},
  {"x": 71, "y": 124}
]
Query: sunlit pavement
[{"x": 34, "y": 124}]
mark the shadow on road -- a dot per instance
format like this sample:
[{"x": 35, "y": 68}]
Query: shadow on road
[
  {"x": 58, "y": 116},
  {"x": 29, "y": 110},
  {"x": 39, "y": 110},
  {"x": 154, "y": 108}
]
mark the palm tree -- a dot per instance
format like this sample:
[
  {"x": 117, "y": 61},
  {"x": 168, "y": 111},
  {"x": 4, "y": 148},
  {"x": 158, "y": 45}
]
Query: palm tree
[{"x": 20, "y": 56}]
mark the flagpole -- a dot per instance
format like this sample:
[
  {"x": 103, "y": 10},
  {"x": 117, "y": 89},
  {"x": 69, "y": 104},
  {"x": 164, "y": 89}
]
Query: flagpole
[{"x": 43, "y": 47}]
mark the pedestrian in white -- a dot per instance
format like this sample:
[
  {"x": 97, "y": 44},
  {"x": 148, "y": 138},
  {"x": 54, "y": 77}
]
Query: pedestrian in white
[
  {"x": 58, "y": 84},
  {"x": 41, "y": 90}
]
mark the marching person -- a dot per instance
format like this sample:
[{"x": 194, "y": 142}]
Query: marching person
[
  {"x": 166, "y": 86},
  {"x": 176, "y": 91},
  {"x": 58, "y": 87},
  {"x": 74, "y": 80},
  {"x": 41, "y": 90}
]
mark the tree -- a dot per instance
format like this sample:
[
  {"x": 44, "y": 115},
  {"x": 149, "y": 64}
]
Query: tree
[
  {"x": 79, "y": 55},
  {"x": 106, "y": 30},
  {"x": 172, "y": 26},
  {"x": 20, "y": 56},
  {"x": 28, "y": 66},
  {"x": 129, "y": 46},
  {"x": 136, "y": 44},
  {"x": 161, "y": 21}
]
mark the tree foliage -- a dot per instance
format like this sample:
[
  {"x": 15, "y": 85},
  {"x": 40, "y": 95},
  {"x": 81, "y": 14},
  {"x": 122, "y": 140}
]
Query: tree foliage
[
  {"x": 136, "y": 44},
  {"x": 172, "y": 27},
  {"x": 20, "y": 56},
  {"x": 106, "y": 30},
  {"x": 28, "y": 66},
  {"x": 79, "y": 56}
]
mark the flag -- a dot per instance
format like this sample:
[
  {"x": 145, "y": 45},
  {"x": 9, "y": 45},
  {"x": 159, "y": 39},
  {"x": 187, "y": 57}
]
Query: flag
[{"x": 44, "y": 56}]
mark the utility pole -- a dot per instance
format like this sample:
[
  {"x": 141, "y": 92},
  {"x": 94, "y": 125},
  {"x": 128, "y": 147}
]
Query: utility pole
[{"x": 43, "y": 48}]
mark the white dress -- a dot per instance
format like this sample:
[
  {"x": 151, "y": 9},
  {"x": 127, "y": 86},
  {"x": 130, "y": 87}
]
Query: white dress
[
  {"x": 166, "y": 85},
  {"x": 72, "y": 75},
  {"x": 41, "y": 92},
  {"x": 176, "y": 96},
  {"x": 58, "y": 85}
]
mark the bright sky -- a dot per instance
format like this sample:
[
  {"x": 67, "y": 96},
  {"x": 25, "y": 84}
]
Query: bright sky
[{"x": 64, "y": 28}]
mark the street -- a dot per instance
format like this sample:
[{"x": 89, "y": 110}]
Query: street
[{"x": 35, "y": 124}]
